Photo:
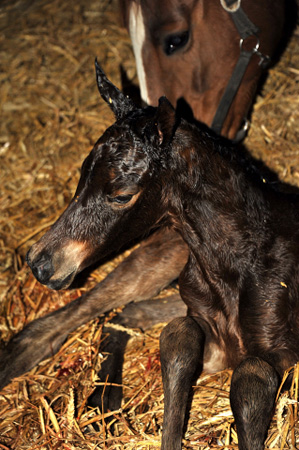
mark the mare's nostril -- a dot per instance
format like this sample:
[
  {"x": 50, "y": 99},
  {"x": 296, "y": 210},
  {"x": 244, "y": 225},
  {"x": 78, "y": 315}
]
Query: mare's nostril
[{"x": 42, "y": 268}]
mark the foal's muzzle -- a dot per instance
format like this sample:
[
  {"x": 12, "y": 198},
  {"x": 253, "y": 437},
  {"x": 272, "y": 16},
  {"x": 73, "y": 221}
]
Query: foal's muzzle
[{"x": 56, "y": 267}]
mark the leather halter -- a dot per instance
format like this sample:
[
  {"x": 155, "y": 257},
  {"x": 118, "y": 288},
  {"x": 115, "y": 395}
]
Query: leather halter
[{"x": 249, "y": 45}]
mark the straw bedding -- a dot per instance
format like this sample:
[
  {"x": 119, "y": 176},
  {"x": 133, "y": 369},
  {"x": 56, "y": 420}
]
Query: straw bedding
[{"x": 50, "y": 116}]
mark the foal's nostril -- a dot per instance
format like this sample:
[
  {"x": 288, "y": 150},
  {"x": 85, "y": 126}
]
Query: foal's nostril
[
  {"x": 43, "y": 272},
  {"x": 41, "y": 268}
]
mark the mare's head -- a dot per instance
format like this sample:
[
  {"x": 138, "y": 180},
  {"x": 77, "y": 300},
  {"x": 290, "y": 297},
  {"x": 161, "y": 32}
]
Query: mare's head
[
  {"x": 188, "y": 50},
  {"x": 118, "y": 197}
]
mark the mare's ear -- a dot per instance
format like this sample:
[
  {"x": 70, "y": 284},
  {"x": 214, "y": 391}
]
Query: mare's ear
[
  {"x": 166, "y": 121},
  {"x": 118, "y": 102}
]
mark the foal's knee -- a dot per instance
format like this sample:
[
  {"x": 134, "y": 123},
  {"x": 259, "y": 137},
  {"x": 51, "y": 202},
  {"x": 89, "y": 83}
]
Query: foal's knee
[{"x": 181, "y": 345}]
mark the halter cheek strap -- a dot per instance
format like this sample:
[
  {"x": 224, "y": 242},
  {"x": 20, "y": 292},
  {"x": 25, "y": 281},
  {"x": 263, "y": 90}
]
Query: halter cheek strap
[{"x": 249, "y": 45}]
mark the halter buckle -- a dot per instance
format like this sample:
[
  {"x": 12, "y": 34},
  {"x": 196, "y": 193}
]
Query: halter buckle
[
  {"x": 264, "y": 59},
  {"x": 244, "y": 43}
]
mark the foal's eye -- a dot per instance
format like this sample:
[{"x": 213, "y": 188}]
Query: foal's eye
[
  {"x": 120, "y": 199},
  {"x": 175, "y": 42}
]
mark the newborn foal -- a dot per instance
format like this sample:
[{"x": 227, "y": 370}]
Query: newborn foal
[{"x": 240, "y": 283}]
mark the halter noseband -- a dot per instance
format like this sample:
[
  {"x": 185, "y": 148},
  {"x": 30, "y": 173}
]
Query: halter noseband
[{"x": 249, "y": 45}]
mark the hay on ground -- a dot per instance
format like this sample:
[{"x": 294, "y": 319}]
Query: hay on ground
[{"x": 51, "y": 116}]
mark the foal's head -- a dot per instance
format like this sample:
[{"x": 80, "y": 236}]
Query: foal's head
[{"x": 118, "y": 197}]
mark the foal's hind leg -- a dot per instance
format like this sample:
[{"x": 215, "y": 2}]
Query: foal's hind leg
[
  {"x": 181, "y": 348},
  {"x": 108, "y": 397},
  {"x": 253, "y": 390},
  {"x": 142, "y": 315},
  {"x": 157, "y": 262}
]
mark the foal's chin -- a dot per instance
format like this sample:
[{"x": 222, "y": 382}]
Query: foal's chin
[{"x": 61, "y": 283}]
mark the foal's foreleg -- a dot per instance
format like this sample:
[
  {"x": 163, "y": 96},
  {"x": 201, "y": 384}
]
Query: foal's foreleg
[
  {"x": 181, "y": 348},
  {"x": 253, "y": 389}
]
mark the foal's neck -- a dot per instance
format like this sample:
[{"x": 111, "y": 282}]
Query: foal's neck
[{"x": 216, "y": 204}]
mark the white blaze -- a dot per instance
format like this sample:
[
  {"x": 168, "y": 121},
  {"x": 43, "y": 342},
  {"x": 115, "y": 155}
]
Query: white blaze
[{"x": 137, "y": 33}]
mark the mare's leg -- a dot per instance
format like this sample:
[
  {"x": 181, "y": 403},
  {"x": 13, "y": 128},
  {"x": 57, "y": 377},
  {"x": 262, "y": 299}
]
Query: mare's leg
[
  {"x": 142, "y": 315},
  {"x": 253, "y": 390},
  {"x": 181, "y": 348},
  {"x": 156, "y": 263}
]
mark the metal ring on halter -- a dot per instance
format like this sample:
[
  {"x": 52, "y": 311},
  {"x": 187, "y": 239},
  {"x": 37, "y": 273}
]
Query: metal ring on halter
[
  {"x": 242, "y": 131},
  {"x": 255, "y": 48},
  {"x": 233, "y": 8}
]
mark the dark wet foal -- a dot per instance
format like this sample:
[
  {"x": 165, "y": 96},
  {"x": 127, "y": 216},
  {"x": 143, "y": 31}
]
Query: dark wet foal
[{"x": 240, "y": 283}]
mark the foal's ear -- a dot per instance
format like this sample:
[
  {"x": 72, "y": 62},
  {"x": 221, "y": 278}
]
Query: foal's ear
[
  {"x": 166, "y": 121},
  {"x": 118, "y": 102}
]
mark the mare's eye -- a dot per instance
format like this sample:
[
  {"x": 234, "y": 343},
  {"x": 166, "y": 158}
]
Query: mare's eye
[
  {"x": 175, "y": 42},
  {"x": 120, "y": 199}
]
